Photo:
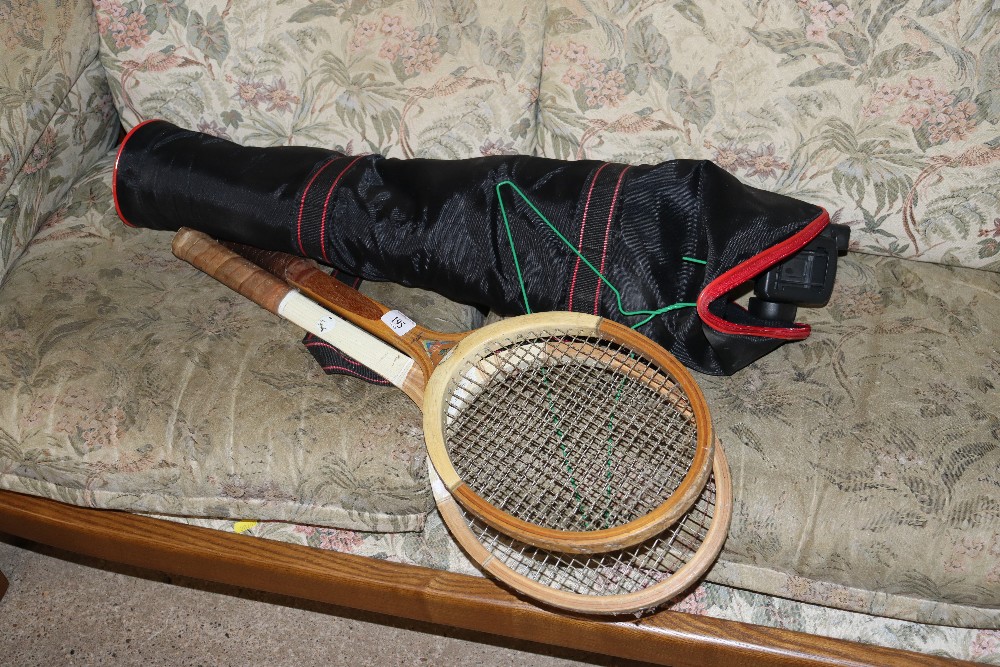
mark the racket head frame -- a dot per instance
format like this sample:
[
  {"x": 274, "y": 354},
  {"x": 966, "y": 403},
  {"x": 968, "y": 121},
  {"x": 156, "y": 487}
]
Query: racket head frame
[
  {"x": 448, "y": 375},
  {"x": 634, "y": 602}
]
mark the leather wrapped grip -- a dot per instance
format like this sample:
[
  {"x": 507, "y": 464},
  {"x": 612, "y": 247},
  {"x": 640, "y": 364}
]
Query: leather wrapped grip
[{"x": 236, "y": 272}]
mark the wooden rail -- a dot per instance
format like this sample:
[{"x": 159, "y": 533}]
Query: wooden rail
[{"x": 455, "y": 600}]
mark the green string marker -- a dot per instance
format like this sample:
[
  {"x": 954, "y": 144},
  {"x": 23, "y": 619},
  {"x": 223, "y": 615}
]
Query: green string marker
[{"x": 520, "y": 276}]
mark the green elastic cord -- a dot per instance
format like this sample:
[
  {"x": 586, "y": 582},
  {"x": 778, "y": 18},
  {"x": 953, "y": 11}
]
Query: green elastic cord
[
  {"x": 520, "y": 277},
  {"x": 565, "y": 454}
]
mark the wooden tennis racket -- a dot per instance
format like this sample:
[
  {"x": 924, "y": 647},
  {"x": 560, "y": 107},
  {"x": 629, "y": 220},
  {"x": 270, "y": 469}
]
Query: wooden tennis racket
[
  {"x": 425, "y": 347},
  {"x": 565, "y": 431},
  {"x": 635, "y": 579}
]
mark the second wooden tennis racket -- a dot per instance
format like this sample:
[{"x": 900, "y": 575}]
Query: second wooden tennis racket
[{"x": 638, "y": 578}]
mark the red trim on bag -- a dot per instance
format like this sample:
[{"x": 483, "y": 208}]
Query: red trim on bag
[
  {"x": 751, "y": 268},
  {"x": 335, "y": 273},
  {"x": 302, "y": 202},
  {"x": 326, "y": 204},
  {"x": 114, "y": 173},
  {"x": 357, "y": 370},
  {"x": 607, "y": 233},
  {"x": 583, "y": 226}
]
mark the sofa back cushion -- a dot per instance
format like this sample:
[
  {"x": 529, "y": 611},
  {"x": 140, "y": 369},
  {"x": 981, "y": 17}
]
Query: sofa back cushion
[
  {"x": 442, "y": 79},
  {"x": 886, "y": 113},
  {"x": 56, "y": 115}
]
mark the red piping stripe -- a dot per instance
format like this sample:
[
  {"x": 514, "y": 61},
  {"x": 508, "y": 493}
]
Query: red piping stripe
[
  {"x": 326, "y": 204},
  {"x": 323, "y": 343},
  {"x": 757, "y": 264},
  {"x": 114, "y": 174},
  {"x": 607, "y": 233},
  {"x": 346, "y": 369},
  {"x": 352, "y": 373},
  {"x": 302, "y": 202},
  {"x": 583, "y": 226}
]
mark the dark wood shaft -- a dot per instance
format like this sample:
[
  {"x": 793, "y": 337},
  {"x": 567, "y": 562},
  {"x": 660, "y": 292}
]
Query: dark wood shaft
[{"x": 472, "y": 603}]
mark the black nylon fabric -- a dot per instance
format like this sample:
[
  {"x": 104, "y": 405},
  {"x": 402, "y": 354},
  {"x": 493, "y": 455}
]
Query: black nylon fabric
[{"x": 437, "y": 225}]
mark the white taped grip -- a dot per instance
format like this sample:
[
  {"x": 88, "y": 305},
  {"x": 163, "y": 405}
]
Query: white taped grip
[{"x": 349, "y": 339}]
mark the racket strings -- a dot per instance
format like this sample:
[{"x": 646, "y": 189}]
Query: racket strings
[
  {"x": 572, "y": 432},
  {"x": 544, "y": 421},
  {"x": 619, "y": 418},
  {"x": 622, "y": 572},
  {"x": 575, "y": 404},
  {"x": 590, "y": 426}
]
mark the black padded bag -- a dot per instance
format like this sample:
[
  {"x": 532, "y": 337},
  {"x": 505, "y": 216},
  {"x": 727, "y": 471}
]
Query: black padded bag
[{"x": 440, "y": 225}]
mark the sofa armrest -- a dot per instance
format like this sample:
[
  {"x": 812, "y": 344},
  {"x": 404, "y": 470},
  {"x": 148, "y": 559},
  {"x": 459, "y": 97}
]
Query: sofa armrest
[{"x": 56, "y": 116}]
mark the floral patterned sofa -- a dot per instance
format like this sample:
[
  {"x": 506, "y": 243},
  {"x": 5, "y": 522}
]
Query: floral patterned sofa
[{"x": 865, "y": 459}]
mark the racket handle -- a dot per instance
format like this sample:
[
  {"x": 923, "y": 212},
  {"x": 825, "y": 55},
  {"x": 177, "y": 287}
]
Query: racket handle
[
  {"x": 311, "y": 280},
  {"x": 237, "y": 273},
  {"x": 424, "y": 346},
  {"x": 274, "y": 294}
]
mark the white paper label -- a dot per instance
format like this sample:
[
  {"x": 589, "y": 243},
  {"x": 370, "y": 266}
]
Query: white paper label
[
  {"x": 326, "y": 324},
  {"x": 398, "y": 322}
]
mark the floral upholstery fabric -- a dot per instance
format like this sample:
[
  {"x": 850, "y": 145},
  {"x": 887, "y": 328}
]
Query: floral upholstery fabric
[
  {"x": 56, "y": 115},
  {"x": 886, "y": 113},
  {"x": 442, "y": 79},
  {"x": 129, "y": 380},
  {"x": 868, "y": 456}
]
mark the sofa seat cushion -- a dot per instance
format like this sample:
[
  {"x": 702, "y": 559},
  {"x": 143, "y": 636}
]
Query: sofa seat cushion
[
  {"x": 129, "y": 380},
  {"x": 866, "y": 459}
]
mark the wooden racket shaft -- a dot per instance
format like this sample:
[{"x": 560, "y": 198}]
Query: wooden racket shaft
[
  {"x": 561, "y": 451},
  {"x": 426, "y": 347}
]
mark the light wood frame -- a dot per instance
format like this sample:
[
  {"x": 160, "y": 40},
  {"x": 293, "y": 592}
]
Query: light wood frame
[{"x": 423, "y": 594}]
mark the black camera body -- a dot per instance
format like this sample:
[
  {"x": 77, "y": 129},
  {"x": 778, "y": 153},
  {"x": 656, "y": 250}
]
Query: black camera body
[{"x": 804, "y": 279}]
